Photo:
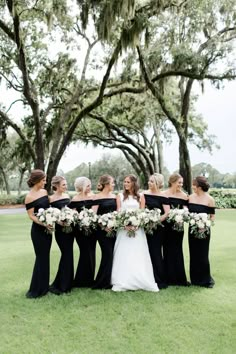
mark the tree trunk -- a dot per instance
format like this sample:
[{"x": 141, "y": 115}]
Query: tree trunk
[
  {"x": 5, "y": 180},
  {"x": 22, "y": 172},
  {"x": 185, "y": 164}
]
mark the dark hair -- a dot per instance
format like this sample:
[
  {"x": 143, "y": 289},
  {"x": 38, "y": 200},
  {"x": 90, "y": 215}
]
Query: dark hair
[
  {"x": 135, "y": 187},
  {"x": 173, "y": 178},
  {"x": 103, "y": 181},
  {"x": 56, "y": 180},
  {"x": 35, "y": 177},
  {"x": 201, "y": 181}
]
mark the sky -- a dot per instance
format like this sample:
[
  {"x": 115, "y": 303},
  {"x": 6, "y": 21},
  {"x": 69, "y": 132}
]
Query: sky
[{"x": 218, "y": 108}]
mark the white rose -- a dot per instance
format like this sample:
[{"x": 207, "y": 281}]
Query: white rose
[
  {"x": 179, "y": 218},
  {"x": 201, "y": 224},
  {"x": 49, "y": 220}
]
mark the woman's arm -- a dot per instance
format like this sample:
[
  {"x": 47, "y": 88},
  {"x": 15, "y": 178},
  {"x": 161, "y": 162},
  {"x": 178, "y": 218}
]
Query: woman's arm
[
  {"x": 166, "y": 208},
  {"x": 142, "y": 201},
  {"x": 118, "y": 202},
  {"x": 33, "y": 217}
]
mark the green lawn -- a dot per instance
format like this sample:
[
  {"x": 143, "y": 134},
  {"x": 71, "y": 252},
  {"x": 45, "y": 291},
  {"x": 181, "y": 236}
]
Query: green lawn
[{"x": 175, "y": 320}]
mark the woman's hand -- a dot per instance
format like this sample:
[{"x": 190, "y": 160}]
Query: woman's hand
[{"x": 131, "y": 228}]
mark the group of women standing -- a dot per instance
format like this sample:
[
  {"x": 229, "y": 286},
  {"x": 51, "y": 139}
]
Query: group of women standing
[{"x": 147, "y": 262}]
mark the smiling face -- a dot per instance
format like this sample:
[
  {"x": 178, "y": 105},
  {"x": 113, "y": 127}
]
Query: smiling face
[
  {"x": 42, "y": 182},
  {"x": 152, "y": 184},
  {"x": 128, "y": 184},
  {"x": 62, "y": 186},
  {"x": 178, "y": 184},
  {"x": 88, "y": 188},
  {"x": 112, "y": 184}
]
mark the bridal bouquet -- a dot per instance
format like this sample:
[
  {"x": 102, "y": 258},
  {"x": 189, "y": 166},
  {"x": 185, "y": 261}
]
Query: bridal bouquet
[
  {"x": 130, "y": 220},
  {"x": 199, "y": 224},
  {"x": 48, "y": 217},
  {"x": 108, "y": 222},
  {"x": 178, "y": 217},
  {"x": 68, "y": 217},
  {"x": 150, "y": 219},
  {"x": 87, "y": 220}
]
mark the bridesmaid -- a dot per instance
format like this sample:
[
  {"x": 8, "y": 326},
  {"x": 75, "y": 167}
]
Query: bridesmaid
[
  {"x": 106, "y": 202},
  {"x": 85, "y": 272},
  {"x": 64, "y": 277},
  {"x": 173, "y": 245},
  {"x": 200, "y": 202},
  {"x": 155, "y": 198},
  {"x": 38, "y": 198}
]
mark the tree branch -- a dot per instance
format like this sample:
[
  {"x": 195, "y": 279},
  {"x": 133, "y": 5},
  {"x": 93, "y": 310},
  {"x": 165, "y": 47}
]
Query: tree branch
[{"x": 17, "y": 129}]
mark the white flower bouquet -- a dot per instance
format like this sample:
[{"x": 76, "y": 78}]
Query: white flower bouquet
[
  {"x": 87, "y": 221},
  {"x": 130, "y": 220},
  {"x": 150, "y": 219},
  {"x": 200, "y": 224},
  {"x": 48, "y": 217},
  {"x": 178, "y": 217},
  {"x": 108, "y": 222},
  {"x": 67, "y": 218}
]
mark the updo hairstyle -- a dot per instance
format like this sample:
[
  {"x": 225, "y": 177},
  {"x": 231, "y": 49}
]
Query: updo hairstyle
[
  {"x": 201, "y": 181},
  {"x": 35, "y": 177},
  {"x": 159, "y": 180},
  {"x": 103, "y": 181},
  {"x": 56, "y": 180},
  {"x": 81, "y": 184},
  {"x": 173, "y": 178}
]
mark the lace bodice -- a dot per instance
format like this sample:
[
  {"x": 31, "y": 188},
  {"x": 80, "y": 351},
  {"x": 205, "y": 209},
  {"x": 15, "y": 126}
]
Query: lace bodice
[{"x": 129, "y": 203}]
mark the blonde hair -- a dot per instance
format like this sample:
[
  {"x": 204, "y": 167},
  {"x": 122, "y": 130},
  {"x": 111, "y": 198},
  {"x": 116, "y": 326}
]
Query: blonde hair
[
  {"x": 159, "y": 180},
  {"x": 81, "y": 184},
  {"x": 174, "y": 178},
  {"x": 55, "y": 182}
]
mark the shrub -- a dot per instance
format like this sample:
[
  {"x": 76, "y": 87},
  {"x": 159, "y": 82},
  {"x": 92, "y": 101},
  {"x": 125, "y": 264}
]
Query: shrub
[{"x": 224, "y": 198}]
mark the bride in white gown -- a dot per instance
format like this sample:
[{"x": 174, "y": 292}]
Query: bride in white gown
[{"x": 132, "y": 267}]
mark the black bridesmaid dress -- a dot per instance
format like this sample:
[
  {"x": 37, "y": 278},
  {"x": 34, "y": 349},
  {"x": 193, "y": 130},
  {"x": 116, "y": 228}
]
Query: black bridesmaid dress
[
  {"x": 85, "y": 271},
  {"x": 156, "y": 240},
  {"x": 173, "y": 249},
  {"x": 65, "y": 274},
  {"x": 199, "y": 252},
  {"x": 103, "y": 278},
  {"x": 42, "y": 241}
]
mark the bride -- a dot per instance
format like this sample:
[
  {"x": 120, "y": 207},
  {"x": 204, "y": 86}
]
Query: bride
[{"x": 132, "y": 267}]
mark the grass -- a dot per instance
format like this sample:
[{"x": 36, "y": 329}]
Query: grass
[{"x": 175, "y": 320}]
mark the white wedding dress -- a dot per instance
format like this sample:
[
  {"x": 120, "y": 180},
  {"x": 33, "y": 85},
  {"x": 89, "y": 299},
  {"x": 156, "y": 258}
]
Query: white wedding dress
[{"x": 132, "y": 267}]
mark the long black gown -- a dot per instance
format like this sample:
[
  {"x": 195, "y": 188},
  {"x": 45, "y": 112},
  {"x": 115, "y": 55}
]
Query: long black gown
[
  {"x": 173, "y": 249},
  {"x": 85, "y": 271},
  {"x": 103, "y": 278},
  {"x": 42, "y": 244},
  {"x": 199, "y": 252},
  {"x": 155, "y": 241},
  {"x": 65, "y": 274}
]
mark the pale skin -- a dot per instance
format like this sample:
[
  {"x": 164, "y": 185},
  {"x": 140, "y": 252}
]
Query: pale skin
[
  {"x": 84, "y": 194},
  {"x": 129, "y": 186},
  {"x": 154, "y": 189},
  {"x": 175, "y": 190},
  {"x": 107, "y": 192},
  {"x": 59, "y": 193},
  {"x": 200, "y": 197},
  {"x": 36, "y": 192}
]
